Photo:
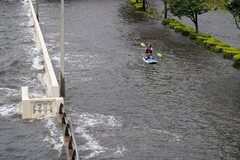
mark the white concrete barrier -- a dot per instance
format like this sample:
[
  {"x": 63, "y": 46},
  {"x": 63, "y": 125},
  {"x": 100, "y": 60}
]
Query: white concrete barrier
[
  {"x": 41, "y": 107},
  {"x": 38, "y": 107},
  {"x": 50, "y": 77}
]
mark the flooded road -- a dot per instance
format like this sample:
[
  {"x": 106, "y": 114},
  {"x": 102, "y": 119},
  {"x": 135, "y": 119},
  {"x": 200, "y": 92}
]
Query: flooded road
[{"x": 185, "y": 107}]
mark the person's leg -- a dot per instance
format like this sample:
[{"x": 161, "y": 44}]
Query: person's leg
[{"x": 148, "y": 55}]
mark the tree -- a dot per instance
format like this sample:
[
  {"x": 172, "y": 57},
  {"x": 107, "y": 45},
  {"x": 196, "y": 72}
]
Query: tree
[
  {"x": 233, "y": 6},
  {"x": 165, "y": 2},
  {"x": 188, "y": 8},
  {"x": 144, "y": 3},
  {"x": 215, "y": 4}
]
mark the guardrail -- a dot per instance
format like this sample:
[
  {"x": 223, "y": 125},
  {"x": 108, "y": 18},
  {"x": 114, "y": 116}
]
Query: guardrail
[{"x": 71, "y": 145}]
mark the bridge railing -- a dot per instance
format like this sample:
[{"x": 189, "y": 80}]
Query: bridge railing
[
  {"x": 38, "y": 107},
  {"x": 49, "y": 75},
  {"x": 42, "y": 107}
]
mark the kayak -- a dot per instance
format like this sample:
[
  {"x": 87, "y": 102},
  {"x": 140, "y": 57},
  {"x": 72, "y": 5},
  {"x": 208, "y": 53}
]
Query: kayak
[{"x": 150, "y": 60}]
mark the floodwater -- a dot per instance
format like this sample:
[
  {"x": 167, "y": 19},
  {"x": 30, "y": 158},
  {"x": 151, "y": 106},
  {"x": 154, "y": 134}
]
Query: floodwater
[
  {"x": 21, "y": 65},
  {"x": 185, "y": 107}
]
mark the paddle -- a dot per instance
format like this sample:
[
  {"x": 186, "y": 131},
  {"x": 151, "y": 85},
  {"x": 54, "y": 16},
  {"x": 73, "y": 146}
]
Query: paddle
[
  {"x": 158, "y": 54},
  {"x": 142, "y": 44}
]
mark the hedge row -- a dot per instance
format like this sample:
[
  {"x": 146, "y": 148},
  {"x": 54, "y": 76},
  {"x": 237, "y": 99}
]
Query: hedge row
[
  {"x": 138, "y": 6},
  {"x": 206, "y": 40}
]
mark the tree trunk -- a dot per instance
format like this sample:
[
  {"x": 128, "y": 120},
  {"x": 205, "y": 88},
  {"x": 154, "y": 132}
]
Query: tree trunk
[
  {"x": 165, "y": 9},
  {"x": 136, "y": 1},
  {"x": 196, "y": 22},
  {"x": 236, "y": 21},
  {"x": 144, "y": 5}
]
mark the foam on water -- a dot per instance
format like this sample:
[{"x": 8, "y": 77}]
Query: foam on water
[
  {"x": 92, "y": 144},
  {"x": 25, "y": 3},
  {"x": 56, "y": 59},
  {"x": 174, "y": 137},
  {"x": 119, "y": 152},
  {"x": 87, "y": 120},
  {"x": 38, "y": 63},
  {"x": 37, "y": 94},
  {"x": 9, "y": 108},
  {"x": 97, "y": 119},
  {"x": 85, "y": 79},
  {"x": 55, "y": 138},
  {"x": 8, "y": 91}
]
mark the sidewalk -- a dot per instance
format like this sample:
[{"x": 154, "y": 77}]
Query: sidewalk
[{"x": 219, "y": 24}]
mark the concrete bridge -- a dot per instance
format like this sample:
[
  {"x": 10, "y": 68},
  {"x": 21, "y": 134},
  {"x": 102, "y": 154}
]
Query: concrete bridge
[{"x": 52, "y": 104}]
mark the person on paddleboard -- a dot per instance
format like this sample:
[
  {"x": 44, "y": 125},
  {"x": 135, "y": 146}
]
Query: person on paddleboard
[{"x": 148, "y": 50}]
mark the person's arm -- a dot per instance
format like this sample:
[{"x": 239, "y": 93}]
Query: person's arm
[{"x": 145, "y": 49}]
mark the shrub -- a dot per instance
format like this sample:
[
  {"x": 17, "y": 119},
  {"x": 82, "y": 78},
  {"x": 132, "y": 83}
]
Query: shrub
[
  {"x": 230, "y": 52},
  {"x": 236, "y": 59},
  {"x": 205, "y": 39},
  {"x": 210, "y": 42},
  {"x": 132, "y": 1},
  {"x": 172, "y": 25},
  {"x": 153, "y": 14},
  {"x": 138, "y": 6},
  {"x": 168, "y": 21},
  {"x": 165, "y": 21},
  {"x": 220, "y": 47},
  {"x": 178, "y": 28},
  {"x": 187, "y": 31},
  {"x": 177, "y": 25},
  {"x": 200, "y": 38},
  {"x": 193, "y": 34}
]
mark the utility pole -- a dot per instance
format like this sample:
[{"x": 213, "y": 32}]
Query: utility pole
[{"x": 62, "y": 76}]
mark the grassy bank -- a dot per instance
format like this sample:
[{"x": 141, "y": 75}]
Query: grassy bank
[{"x": 209, "y": 42}]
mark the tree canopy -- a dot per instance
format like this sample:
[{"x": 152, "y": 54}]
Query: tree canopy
[
  {"x": 188, "y": 8},
  {"x": 233, "y": 6}
]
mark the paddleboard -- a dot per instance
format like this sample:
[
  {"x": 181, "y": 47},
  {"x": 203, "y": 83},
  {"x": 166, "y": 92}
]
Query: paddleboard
[{"x": 150, "y": 60}]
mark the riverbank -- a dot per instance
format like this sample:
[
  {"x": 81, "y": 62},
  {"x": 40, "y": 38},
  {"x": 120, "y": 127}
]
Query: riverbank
[{"x": 226, "y": 41}]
